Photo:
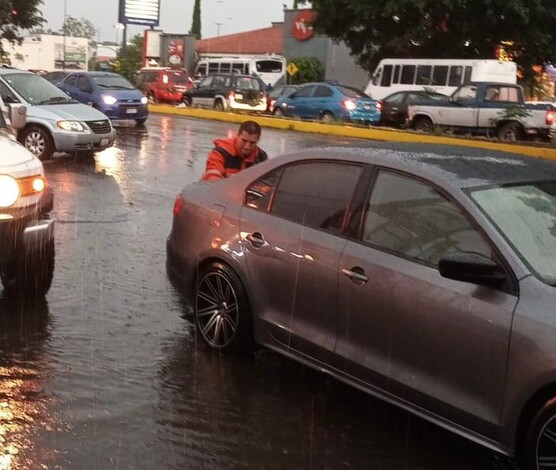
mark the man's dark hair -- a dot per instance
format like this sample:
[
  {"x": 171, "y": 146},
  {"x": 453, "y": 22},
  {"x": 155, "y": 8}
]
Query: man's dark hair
[{"x": 251, "y": 127}]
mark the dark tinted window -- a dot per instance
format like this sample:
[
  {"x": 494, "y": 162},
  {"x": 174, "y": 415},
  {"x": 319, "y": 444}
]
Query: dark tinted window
[
  {"x": 316, "y": 194},
  {"x": 259, "y": 194},
  {"x": 424, "y": 73},
  {"x": 269, "y": 66},
  {"x": 71, "y": 80},
  {"x": 351, "y": 92},
  {"x": 439, "y": 75},
  {"x": 323, "y": 91},
  {"x": 84, "y": 84},
  {"x": 467, "y": 75},
  {"x": 305, "y": 91},
  {"x": 456, "y": 75},
  {"x": 396, "y": 98},
  {"x": 408, "y": 75},
  {"x": 386, "y": 76},
  {"x": 206, "y": 82},
  {"x": 411, "y": 218}
]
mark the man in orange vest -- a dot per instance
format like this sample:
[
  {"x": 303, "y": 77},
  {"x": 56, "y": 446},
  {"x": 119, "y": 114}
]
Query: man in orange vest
[{"x": 232, "y": 155}]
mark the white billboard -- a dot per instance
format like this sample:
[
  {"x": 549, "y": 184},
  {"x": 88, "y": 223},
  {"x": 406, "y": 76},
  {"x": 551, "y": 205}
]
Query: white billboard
[{"x": 143, "y": 12}]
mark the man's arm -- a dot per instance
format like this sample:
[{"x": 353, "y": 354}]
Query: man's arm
[{"x": 215, "y": 169}]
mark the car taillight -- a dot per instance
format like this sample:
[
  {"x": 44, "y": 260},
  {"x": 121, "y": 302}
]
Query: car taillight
[
  {"x": 178, "y": 204},
  {"x": 232, "y": 95},
  {"x": 378, "y": 105},
  {"x": 165, "y": 79},
  {"x": 349, "y": 105},
  {"x": 549, "y": 117}
]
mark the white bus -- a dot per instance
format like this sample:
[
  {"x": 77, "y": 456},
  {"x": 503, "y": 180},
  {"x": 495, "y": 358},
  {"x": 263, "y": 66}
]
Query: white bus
[
  {"x": 439, "y": 75},
  {"x": 271, "y": 69}
]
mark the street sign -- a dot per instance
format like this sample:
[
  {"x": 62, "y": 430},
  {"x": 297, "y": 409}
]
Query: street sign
[{"x": 292, "y": 69}]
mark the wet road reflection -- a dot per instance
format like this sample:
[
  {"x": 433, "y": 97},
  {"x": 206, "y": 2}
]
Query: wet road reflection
[{"x": 108, "y": 373}]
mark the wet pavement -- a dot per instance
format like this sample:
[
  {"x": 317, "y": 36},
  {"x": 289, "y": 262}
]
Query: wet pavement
[{"x": 108, "y": 372}]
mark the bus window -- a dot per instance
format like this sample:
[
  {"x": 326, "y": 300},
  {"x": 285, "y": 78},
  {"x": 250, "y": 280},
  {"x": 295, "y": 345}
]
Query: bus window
[
  {"x": 439, "y": 75},
  {"x": 377, "y": 76},
  {"x": 269, "y": 66},
  {"x": 456, "y": 72},
  {"x": 213, "y": 67},
  {"x": 423, "y": 75},
  {"x": 397, "y": 73},
  {"x": 225, "y": 67},
  {"x": 386, "y": 76},
  {"x": 408, "y": 75},
  {"x": 239, "y": 67},
  {"x": 467, "y": 75},
  {"x": 202, "y": 69}
]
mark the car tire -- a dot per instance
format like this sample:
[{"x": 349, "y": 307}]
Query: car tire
[
  {"x": 327, "y": 117},
  {"x": 38, "y": 141},
  {"x": 152, "y": 98},
  {"x": 539, "y": 441},
  {"x": 29, "y": 274},
  {"x": 510, "y": 132},
  {"x": 221, "y": 310},
  {"x": 423, "y": 124},
  {"x": 187, "y": 101},
  {"x": 141, "y": 122},
  {"x": 218, "y": 105}
]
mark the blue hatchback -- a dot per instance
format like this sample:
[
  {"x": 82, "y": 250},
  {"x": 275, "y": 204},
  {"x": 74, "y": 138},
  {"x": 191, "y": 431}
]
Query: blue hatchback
[
  {"x": 109, "y": 92},
  {"x": 329, "y": 102}
]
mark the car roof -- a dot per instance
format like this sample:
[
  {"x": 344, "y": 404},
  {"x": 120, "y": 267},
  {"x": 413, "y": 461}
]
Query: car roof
[
  {"x": 95, "y": 73},
  {"x": 14, "y": 71},
  {"x": 454, "y": 171}
]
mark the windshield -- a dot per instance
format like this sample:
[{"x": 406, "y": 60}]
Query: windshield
[
  {"x": 116, "y": 82},
  {"x": 526, "y": 215},
  {"x": 248, "y": 83},
  {"x": 35, "y": 89},
  {"x": 180, "y": 78}
]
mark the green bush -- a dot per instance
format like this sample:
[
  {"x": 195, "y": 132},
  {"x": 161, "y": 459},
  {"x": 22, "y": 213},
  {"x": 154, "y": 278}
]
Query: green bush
[{"x": 309, "y": 70}]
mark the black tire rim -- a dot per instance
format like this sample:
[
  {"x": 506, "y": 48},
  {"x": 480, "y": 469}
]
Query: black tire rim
[
  {"x": 217, "y": 310},
  {"x": 545, "y": 452}
]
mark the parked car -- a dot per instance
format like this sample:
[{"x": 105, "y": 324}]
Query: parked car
[
  {"x": 26, "y": 200},
  {"x": 163, "y": 84},
  {"x": 427, "y": 280},
  {"x": 56, "y": 76},
  {"x": 329, "y": 102},
  {"x": 55, "y": 122},
  {"x": 278, "y": 92},
  {"x": 228, "y": 91},
  {"x": 108, "y": 92},
  {"x": 394, "y": 106}
]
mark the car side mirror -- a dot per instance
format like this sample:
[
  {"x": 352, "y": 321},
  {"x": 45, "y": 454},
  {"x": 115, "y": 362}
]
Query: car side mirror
[
  {"x": 18, "y": 115},
  {"x": 471, "y": 267}
]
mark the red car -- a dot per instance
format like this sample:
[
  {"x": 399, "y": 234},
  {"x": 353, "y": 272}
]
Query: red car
[{"x": 163, "y": 84}]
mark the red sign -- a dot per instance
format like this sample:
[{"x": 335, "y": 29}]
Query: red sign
[
  {"x": 301, "y": 26},
  {"x": 176, "y": 50}
]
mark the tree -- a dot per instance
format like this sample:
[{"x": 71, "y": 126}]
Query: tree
[
  {"x": 441, "y": 29},
  {"x": 82, "y": 28},
  {"x": 196, "y": 23},
  {"x": 16, "y": 15},
  {"x": 309, "y": 70},
  {"x": 130, "y": 59}
]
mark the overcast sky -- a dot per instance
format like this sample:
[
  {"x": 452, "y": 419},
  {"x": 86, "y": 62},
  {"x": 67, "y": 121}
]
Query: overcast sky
[{"x": 234, "y": 16}]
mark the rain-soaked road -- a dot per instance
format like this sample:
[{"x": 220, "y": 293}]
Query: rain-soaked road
[{"x": 108, "y": 373}]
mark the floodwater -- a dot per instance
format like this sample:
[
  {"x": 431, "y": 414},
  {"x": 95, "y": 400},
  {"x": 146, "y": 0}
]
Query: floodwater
[{"x": 107, "y": 373}]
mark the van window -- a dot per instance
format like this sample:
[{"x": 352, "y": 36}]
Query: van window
[
  {"x": 202, "y": 69},
  {"x": 397, "y": 74},
  {"x": 439, "y": 75},
  {"x": 456, "y": 74},
  {"x": 213, "y": 67},
  {"x": 377, "y": 76},
  {"x": 225, "y": 67},
  {"x": 408, "y": 75},
  {"x": 467, "y": 76},
  {"x": 386, "y": 76},
  {"x": 239, "y": 67},
  {"x": 424, "y": 73}
]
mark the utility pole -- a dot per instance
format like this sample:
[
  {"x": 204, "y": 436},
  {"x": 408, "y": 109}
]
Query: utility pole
[{"x": 65, "y": 27}]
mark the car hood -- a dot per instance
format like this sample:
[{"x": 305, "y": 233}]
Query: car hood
[
  {"x": 70, "y": 112},
  {"x": 13, "y": 153}
]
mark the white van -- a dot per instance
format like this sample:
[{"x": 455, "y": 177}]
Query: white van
[
  {"x": 55, "y": 122},
  {"x": 26, "y": 229},
  {"x": 438, "y": 75}
]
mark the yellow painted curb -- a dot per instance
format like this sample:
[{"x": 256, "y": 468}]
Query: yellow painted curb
[{"x": 377, "y": 133}]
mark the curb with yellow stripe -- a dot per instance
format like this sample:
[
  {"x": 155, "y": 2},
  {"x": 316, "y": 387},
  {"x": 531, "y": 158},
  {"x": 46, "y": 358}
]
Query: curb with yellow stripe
[{"x": 376, "y": 133}]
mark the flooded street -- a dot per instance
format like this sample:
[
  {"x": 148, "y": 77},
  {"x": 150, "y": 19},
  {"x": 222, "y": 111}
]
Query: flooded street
[{"x": 108, "y": 372}]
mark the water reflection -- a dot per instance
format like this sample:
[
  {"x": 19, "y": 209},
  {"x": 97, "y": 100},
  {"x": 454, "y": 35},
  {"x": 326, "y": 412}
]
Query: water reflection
[{"x": 24, "y": 332}]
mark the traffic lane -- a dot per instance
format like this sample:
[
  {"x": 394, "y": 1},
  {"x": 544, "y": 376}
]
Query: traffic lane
[{"x": 115, "y": 375}]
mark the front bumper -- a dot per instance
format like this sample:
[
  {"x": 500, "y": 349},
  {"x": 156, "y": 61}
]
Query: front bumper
[
  {"x": 126, "y": 112},
  {"x": 72, "y": 142}
]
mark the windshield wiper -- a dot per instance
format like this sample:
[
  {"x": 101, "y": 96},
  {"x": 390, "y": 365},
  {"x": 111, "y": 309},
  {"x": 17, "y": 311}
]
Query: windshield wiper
[{"x": 57, "y": 99}]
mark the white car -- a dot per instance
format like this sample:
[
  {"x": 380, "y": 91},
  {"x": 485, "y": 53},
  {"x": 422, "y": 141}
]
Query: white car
[{"x": 26, "y": 229}]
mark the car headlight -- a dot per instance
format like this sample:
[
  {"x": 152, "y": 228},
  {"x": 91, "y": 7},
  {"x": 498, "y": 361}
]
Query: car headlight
[
  {"x": 144, "y": 100},
  {"x": 109, "y": 100},
  {"x": 73, "y": 126},
  {"x": 9, "y": 190}
]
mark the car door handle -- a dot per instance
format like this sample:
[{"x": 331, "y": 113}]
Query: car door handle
[
  {"x": 256, "y": 239},
  {"x": 356, "y": 274}
]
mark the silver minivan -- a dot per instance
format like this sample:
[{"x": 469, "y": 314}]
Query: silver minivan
[{"x": 55, "y": 122}]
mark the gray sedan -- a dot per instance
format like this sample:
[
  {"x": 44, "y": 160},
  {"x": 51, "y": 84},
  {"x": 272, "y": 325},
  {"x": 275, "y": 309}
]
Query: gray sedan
[{"x": 426, "y": 280}]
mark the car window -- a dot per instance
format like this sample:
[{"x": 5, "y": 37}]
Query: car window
[
  {"x": 351, "y": 92},
  {"x": 7, "y": 95},
  {"x": 323, "y": 91},
  {"x": 413, "y": 219},
  {"x": 206, "y": 82},
  {"x": 218, "y": 81},
  {"x": 71, "y": 80},
  {"x": 115, "y": 82},
  {"x": 316, "y": 194},
  {"x": 277, "y": 92},
  {"x": 305, "y": 91},
  {"x": 396, "y": 98},
  {"x": 259, "y": 194},
  {"x": 466, "y": 93},
  {"x": 84, "y": 84}
]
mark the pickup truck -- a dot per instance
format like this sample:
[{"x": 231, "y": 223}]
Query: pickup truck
[{"x": 486, "y": 108}]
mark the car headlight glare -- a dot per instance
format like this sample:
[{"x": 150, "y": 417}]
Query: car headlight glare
[
  {"x": 72, "y": 126},
  {"x": 144, "y": 100},
  {"x": 109, "y": 100},
  {"x": 9, "y": 191}
]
